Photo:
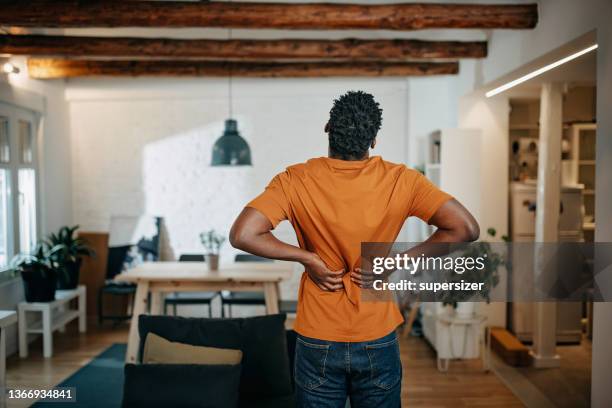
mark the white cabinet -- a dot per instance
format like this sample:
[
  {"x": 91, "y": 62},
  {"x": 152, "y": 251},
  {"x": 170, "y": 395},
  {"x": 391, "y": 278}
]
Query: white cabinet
[{"x": 523, "y": 206}]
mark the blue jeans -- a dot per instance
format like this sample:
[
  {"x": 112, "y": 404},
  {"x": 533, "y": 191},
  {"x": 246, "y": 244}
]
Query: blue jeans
[{"x": 368, "y": 373}]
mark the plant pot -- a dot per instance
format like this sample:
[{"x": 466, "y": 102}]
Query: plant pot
[
  {"x": 465, "y": 310},
  {"x": 68, "y": 275},
  {"x": 213, "y": 262},
  {"x": 39, "y": 283}
]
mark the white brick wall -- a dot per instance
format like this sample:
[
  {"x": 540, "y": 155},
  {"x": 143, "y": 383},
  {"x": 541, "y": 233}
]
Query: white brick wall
[{"x": 145, "y": 147}]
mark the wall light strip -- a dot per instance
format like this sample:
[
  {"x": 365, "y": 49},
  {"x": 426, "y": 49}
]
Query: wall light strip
[{"x": 539, "y": 71}]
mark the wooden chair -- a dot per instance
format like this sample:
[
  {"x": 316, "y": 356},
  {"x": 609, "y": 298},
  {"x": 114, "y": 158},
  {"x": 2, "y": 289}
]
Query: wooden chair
[
  {"x": 251, "y": 298},
  {"x": 188, "y": 298}
]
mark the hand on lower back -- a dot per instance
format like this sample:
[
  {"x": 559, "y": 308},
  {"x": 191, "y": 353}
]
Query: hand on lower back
[{"x": 320, "y": 274}]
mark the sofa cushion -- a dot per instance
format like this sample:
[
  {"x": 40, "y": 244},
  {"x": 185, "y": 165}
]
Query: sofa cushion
[
  {"x": 265, "y": 363},
  {"x": 181, "y": 385},
  {"x": 158, "y": 350}
]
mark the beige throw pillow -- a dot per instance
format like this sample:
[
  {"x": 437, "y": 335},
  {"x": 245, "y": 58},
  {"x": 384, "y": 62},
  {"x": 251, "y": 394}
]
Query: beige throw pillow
[{"x": 158, "y": 350}]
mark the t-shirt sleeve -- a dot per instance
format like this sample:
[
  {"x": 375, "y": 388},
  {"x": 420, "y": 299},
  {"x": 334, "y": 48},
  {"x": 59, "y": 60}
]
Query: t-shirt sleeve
[
  {"x": 274, "y": 201},
  {"x": 426, "y": 198}
]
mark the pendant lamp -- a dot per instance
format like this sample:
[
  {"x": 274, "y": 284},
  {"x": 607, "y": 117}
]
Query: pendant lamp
[{"x": 231, "y": 149}]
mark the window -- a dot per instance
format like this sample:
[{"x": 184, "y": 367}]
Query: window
[
  {"x": 25, "y": 142},
  {"x": 27, "y": 210},
  {"x": 18, "y": 183},
  {"x": 5, "y": 141}
]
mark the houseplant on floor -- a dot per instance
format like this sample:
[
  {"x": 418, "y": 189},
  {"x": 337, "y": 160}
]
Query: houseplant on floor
[
  {"x": 39, "y": 278},
  {"x": 212, "y": 241},
  {"x": 66, "y": 252}
]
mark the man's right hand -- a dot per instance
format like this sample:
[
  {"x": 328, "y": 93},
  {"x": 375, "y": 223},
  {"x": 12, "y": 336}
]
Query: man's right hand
[{"x": 321, "y": 275}]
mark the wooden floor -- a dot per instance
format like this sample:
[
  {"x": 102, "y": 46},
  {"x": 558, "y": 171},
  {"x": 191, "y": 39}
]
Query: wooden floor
[
  {"x": 464, "y": 385},
  {"x": 568, "y": 386}
]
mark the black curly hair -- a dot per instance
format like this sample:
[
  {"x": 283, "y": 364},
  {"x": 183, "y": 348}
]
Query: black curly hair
[{"x": 354, "y": 121}]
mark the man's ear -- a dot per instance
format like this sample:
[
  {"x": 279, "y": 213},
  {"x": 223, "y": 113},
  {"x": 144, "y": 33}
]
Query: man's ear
[{"x": 373, "y": 143}]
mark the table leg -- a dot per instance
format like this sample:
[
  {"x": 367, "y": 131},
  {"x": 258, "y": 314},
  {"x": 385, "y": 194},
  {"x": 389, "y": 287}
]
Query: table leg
[
  {"x": 156, "y": 303},
  {"x": 22, "y": 332},
  {"x": 2, "y": 367},
  {"x": 47, "y": 333},
  {"x": 140, "y": 307},
  {"x": 82, "y": 305},
  {"x": 271, "y": 295}
]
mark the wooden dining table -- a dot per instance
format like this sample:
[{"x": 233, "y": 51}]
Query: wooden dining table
[{"x": 158, "y": 278}]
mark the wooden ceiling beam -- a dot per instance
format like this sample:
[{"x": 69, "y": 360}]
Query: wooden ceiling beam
[
  {"x": 306, "y": 16},
  {"x": 40, "y": 68},
  {"x": 139, "y": 48}
]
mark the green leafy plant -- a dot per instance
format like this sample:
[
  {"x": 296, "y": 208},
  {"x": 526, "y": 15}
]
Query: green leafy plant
[
  {"x": 489, "y": 275},
  {"x": 212, "y": 241},
  {"x": 64, "y": 246},
  {"x": 38, "y": 259},
  {"x": 65, "y": 251}
]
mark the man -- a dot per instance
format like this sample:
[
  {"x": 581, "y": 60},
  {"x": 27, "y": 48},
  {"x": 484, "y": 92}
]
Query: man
[{"x": 346, "y": 347}]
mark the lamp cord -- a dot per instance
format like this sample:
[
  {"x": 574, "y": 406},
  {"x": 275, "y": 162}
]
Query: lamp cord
[{"x": 230, "y": 79}]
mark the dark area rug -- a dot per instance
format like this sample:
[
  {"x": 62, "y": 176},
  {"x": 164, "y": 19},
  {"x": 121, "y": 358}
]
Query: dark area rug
[{"x": 98, "y": 384}]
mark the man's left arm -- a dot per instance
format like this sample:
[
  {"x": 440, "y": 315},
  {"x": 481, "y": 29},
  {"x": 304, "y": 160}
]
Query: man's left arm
[
  {"x": 454, "y": 224},
  {"x": 252, "y": 232}
]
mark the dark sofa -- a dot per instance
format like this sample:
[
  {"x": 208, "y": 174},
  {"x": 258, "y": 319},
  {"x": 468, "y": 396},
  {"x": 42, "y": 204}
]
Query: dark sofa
[{"x": 263, "y": 379}]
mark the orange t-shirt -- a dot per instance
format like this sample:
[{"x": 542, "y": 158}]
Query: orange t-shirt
[{"x": 334, "y": 206}]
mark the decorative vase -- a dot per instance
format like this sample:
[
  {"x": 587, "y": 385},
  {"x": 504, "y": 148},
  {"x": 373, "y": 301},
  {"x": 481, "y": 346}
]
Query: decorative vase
[
  {"x": 213, "y": 262},
  {"x": 465, "y": 310},
  {"x": 68, "y": 275},
  {"x": 39, "y": 284}
]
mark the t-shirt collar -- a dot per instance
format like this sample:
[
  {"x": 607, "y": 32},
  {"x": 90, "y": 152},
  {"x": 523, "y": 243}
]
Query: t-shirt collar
[{"x": 350, "y": 164}]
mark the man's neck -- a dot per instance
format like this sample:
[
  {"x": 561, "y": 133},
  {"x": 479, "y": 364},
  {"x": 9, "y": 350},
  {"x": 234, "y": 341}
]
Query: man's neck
[{"x": 334, "y": 155}]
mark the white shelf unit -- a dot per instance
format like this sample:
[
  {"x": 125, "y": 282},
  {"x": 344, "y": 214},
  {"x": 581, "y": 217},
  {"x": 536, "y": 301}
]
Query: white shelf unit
[
  {"x": 7, "y": 318},
  {"x": 54, "y": 316},
  {"x": 580, "y": 169},
  {"x": 453, "y": 163}
]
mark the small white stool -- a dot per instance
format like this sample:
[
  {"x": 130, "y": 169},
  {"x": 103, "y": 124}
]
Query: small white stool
[
  {"x": 475, "y": 324},
  {"x": 7, "y": 317},
  {"x": 55, "y": 316}
]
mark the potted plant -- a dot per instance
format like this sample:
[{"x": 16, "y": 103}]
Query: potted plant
[
  {"x": 39, "y": 278},
  {"x": 489, "y": 275},
  {"x": 66, "y": 252},
  {"x": 212, "y": 241}
]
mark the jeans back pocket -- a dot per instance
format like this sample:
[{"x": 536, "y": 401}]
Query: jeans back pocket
[
  {"x": 385, "y": 364},
  {"x": 310, "y": 359}
]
